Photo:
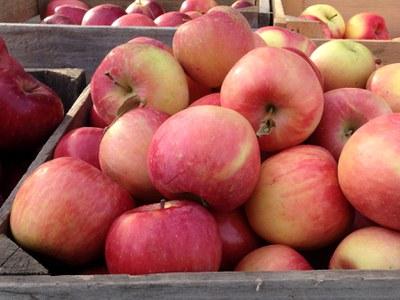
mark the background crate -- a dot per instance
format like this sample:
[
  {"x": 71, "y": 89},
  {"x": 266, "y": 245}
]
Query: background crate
[{"x": 286, "y": 13}]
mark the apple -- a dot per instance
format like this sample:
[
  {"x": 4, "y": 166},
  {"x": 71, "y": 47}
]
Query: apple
[
  {"x": 193, "y": 14},
  {"x": 273, "y": 258},
  {"x": 50, "y": 8},
  {"x": 64, "y": 210},
  {"x": 133, "y": 19},
  {"x": 366, "y": 26},
  {"x": 199, "y": 5},
  {"x": 258, "y": 41},
  {"x": 135, "y": 74},
  {"x": 326, "y": 32},
  {"x": 150, "y": 41},
  {"x": 297, "y": 201},
  {"x": 275, "y": 36},
  {"x": 283, "y": 115},
  {"x": 58, "y": 19},
  {"x": 384, "y": 83},
  {"x": 174, "y": 236},
  {"x": 238, "y": 239},
  {"x": 344, "y": 63},
  {"x": 172, "y": 19},
  {"x": 95, "y": 119},
  {"x": 371, "y": 248},
  {"x": 329, "y": 16},
  {"x": 345, "y": 110},
  {"x": 397, "y": 39},
  {"x": 205, "y": 152},
  {"x": 81, "y": 143},
  {"x": 156, "y": 8},
  {"x": 241, "y": 4},
  {"x": 196, "y": 89},
  {"x": 361, "y": 221},
  {"x": 103, "y": 14},
  {"x": 211, "y": 99},
  {"x": 130, "y": 137},
  {"x": 367, "y": 170},
  {"x": 209, "y": 46},
  {"x": 150, "y": 8},
  {"x": 72, "y": 12}
]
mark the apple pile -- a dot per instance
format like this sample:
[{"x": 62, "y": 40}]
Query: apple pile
[
  {"x": 138, "y": 13},
  {"x": 285, "y": 162}
]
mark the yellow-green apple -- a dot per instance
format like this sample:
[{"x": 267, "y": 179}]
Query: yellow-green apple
[
  {"x": 142, "y": 75},
  {"x": 275, "y": 36},
  {"x": 238, "y": 239},
  {"x": 133, "y": 19},
  {"x": 207, "y": 152},
  {"x": 172, "y": 19},
  {"x": 151, "y": 41},
  {"x": 199, "y": 5},
  {"x": 298, "y": 201},
  {"x": 64, "y": 210},
  {"x": 241, "y": 4},
  {"x": 58, "y": 19},
  {"x": 211, "y": 99},
  {"x": 370, "y": 248},
  {"x": 344, "y": 63},
  {"x": 368, "y": 173},
  {"x": 130, "y": 137},
  {"x": 209, "y": 46},
  {"x": 345, "y": 110},
  {"x": 273, "y": 258},
  {"x": 366, "y": 26},
  {"x": 282, "y": 115},
  {"x": 103, "y": 14},
  {"x": 173, "y": 236},
  {"x": 329, "y": 16},
  {"x": 74, "y": 13},
  {"x": 150, "y": 8},
  {"x": 81, "y": 143},
  {"x": 95, "y": 119},
  {"x": 50, "y": 8},
  {"x": 384, "y": 82}
]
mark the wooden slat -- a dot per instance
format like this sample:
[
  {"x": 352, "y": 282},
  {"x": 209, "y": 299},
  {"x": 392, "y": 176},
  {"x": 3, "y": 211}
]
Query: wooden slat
[{"x": 17, "y": 10}]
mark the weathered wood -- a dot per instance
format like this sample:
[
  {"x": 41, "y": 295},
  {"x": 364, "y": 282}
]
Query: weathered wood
[{"x": 17, "y": 10}]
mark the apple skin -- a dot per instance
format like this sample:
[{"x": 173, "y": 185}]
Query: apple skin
[
  {"x": 81, "y": 143},
  {"x": 50, "y": 9},
  {"x": 155, "y": 8},
  {"x": 95, "y": 119},
  {"x": 329, "y": 16},
  {"x": 193, "y": 14},
  {"x": 370, "y": 248},
  {"x": 130, "y": 137},
  {"x": 241, "y": 4},
  {"x": 208, "y": 46},
  {"x": 384, "y": 83},
  {"x": 198, "y": 5},
  {"x": 133, "y": 19},
  {"x": 302, "y": 178},
  {"x": 215, "y": 158},
  {"x": 397, "y": 39},
  {"x": 367, "y": 26},
  {"x": 196, "y": 89},
  {"x": 184, "y": 232},
  {"x": 103, "y": 14},
  {"x": 150, "y": 41},
  {"x": 64, "y": 210},
  {"x": 273, "y": 258},
  {"x": 275, "y": 36},
  {"x": 142, "y": 73},
  {"x": 344, "y": 63},
  {"x": 346, "y": 110},
  {"x": 253, "y": 87},
  {"x": 72, "y": 12},
  {"x": 367, "y": 170},
  {"x": 58, "y": 19},
  {"x": 238, "y": 239},
  {"x": 211, "y": 99},
  {"x": 172, "y": 19},
  {"x": 361, "y": 221},
  {"x": 138, "y": 7}
]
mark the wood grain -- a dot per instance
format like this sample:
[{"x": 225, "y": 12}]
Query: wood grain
[{"x": 17, "y": 10}]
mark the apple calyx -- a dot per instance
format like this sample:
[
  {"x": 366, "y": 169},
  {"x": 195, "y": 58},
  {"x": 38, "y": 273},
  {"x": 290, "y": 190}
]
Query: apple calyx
[
  {"x": 267, "y": 123},
  {"x": 348, "y": 133},
  {"x": 162, "y": 203}
]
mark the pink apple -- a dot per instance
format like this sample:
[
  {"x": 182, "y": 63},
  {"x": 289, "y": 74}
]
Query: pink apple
[
  {"x": 345, "y": 110},
  {"x": 156, "y": 8},
  {"x": 133, "y": 19},
  {"x": 273, "y": 258},
  {"x": 135, "y": 74},
  {"x": 64, "y": 210},
  {"x": 103, "y": 14},
  {"x": 50, "y": 9},
  {"x": 367, "y": 25},
  {"x": 368, "y": 174},
  {"x": 361, "y": 221},
  {"x": 81, "y": 143},
  {"x": 72, "y": 12},
  {"x": 58, "y": 19},
  {"x": 299, "y": 179},
  {"x": 130, "y": 136},
  {"x": 199, "y": 5},
  {"x": 241, "y": 4},
  {"x": 206, "y": 152},
  {"x": 150, "y": 41},
  {"x": 282, "y": 115},
  {"x": 196, "y": 89},
  {"x": 211, "y": 99},
  {"x": 138, "y": 7},
  {"x": 209, "y": 46},
  {"x": 193, "y": 14},
  {"x": 175, "y": 236},
  {"x": 95, "y": 119},
  {"x": 258, "y": 41},
  {"x": 172, "y": 19}
]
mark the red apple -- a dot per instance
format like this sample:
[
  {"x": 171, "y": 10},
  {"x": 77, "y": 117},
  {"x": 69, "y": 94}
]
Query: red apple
[
  {"x": 103, "y": 14},
  {"x": 199, "y": 5},
  {"x": 81, "y": 143},
  {"x": 133, "y": 19},
  {"x": 64, "y": 210},
  {"x": 175, "y": 236},
  {"x": 196, "y": 89},
  {"x": 282, "y": 115},
  {"x": 193, "y": 14},
  {"x": 130, "y": 136},
  {"x": 238, "y": 239},
  {"x": 273, "y": 258},
  {"x": 211, "y": 99},
  {"x": 58, "y": 19},
  {"x": 95, "y": 119},
  {"x": 206, "y": 152},
  {"x": 135, "y": 74},
  {"x": 345, "y": 110},
  {"x": 361, "y": 221},
  {"x": 72, "y": 12},
  {"x": 155, "y": 7},
  {"x": 367, "y": 26},
  {"x": 150, "y": 41},
  {"x": 50, "y": 9},
  {"x": 172, "y": 19},
  {"x": 241, "y": 4}
]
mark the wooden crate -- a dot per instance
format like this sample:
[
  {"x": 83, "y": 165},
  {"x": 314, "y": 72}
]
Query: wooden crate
[{"x": 286, "y": 14}]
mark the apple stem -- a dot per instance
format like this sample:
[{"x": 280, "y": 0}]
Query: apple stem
[
  {"x": 267, "y": 123},
  {"x": 162, "y": 203},
  {"x": 108, "y": 74},
  {"x": 349, "y": 132},
  {"x": 330, "y": 18}
]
